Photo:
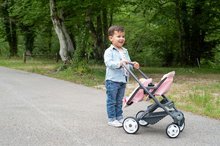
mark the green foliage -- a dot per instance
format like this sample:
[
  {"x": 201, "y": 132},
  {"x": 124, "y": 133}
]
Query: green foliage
[
  {"x": 4, "y": 50},
  {"x": 169, "y": 36},
  {"x": 217, "y": 55},
  {"x": 84, "y": 50},
  {"x": 31, "y": 23},
  {"x": 154, "y": 29},
  {"x": 24, "y": 13}
]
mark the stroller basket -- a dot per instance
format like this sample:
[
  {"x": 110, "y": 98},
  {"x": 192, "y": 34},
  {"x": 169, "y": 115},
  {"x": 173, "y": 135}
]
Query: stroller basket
[{"x": 155, "y": 117}]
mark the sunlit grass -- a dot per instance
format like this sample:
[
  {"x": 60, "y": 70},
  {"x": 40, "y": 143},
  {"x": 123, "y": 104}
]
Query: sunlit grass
[
  {"x": 200, "y": 98},
  {"x": 41, "y": 66}
]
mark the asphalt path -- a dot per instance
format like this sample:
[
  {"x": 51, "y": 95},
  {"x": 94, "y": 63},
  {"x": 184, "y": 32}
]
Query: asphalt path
[{"x": 36, "y": 110}]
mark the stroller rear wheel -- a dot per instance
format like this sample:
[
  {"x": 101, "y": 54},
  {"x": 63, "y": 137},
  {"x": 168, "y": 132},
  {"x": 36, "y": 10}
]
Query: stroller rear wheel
[
  {"x": 182, "y": 127},
  {"x": 130, "y": 125}
]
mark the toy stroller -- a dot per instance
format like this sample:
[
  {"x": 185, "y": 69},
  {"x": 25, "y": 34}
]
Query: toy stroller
[{"x": 150, "y": 115}]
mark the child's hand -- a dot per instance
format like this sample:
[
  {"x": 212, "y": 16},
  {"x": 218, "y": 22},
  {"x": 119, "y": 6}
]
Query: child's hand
[
  {"x": 136, "y": 65},
  {"x": 123, "y": 62}
]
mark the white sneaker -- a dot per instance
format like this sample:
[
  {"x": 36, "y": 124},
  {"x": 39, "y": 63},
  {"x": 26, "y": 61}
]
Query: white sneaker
[
  {"x": 115, "y": 123},
  {"x": 121, "y": 121}
]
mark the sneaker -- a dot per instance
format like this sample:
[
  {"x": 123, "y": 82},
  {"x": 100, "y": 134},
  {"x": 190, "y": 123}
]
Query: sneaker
[
  {"x": 115, "y": 123},
  {"x": 121, "y": 120}
]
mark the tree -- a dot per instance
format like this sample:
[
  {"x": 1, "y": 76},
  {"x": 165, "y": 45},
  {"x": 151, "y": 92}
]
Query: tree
[
  {"x": 30, "y": 21},
  {"x": 66, "y": 45},
  {"x": 194, "y": 22},
  {"x": 98, "y": 23},
  {"x": 99, "y": 16},
  {"x": 198, "y": 20},
  {"x": 89, "y": 20},
  {"x": 10, "y": 27}
]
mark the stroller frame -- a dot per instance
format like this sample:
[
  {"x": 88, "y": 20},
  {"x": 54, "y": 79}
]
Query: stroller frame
[{"x": 150, "y": 115}]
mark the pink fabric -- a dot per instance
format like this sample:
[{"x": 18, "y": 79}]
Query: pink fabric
[
  {"x": 165, "y": 86},
  {"x": 140, "y": 93},
  {"x": 163, "y": 89}
]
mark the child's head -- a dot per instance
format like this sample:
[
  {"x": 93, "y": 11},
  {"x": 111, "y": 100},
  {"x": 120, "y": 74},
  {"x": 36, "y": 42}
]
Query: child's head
[
  {"x": 116, "y": 36},
  {"x": 114, "y": 28}
]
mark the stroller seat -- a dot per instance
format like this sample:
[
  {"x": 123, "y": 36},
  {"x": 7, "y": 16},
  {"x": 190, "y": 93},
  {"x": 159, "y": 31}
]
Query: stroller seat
[
  {"x": 156, "y": 89},
  {"x": 138, "y": 94},
  {"x": 164, "y": 85}
]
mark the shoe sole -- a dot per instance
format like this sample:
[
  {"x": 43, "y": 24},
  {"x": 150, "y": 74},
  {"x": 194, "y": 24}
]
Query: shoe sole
[{"x": 117, "y": 126}]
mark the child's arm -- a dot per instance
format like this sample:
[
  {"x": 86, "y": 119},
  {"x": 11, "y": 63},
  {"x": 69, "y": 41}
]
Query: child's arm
[{"x": 112, "y": 62}]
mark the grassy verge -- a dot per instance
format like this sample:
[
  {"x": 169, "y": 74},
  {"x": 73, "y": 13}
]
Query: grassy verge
[{"x": 194, "y": 90}]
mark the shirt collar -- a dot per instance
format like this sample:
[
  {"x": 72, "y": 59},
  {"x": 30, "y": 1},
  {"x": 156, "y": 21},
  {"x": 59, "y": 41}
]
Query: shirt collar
[{"x": 113, "y": 47}]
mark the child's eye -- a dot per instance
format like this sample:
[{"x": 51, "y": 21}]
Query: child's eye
[{"x": 121, "y": 36}]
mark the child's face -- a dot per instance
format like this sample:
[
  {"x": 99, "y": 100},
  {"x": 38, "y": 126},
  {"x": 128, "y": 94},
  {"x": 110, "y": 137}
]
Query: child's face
[{"x": 117, "y": 39}]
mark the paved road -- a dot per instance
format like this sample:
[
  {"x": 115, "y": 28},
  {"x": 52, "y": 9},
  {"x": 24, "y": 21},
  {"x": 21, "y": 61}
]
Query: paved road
[{"x": 36, "y": 110}]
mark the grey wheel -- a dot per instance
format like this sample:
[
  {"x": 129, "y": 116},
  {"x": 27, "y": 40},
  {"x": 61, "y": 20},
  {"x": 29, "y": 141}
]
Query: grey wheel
[
  {"x": 130, "y": 125},
  {"x": 173, "y": 130},
  {"x": 182, "y": 127},
  {"x": 141, "y": 122}
]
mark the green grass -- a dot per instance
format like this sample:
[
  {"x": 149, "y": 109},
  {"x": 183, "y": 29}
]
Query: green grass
[
  {"x": 81, "y": 74},
  {"x": 204, "y": 100},
  {"x": 195, "y": 89}
]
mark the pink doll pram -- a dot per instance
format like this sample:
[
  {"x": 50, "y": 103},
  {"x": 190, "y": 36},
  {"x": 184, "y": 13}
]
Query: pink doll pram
[{"x": 151, "y": 115}]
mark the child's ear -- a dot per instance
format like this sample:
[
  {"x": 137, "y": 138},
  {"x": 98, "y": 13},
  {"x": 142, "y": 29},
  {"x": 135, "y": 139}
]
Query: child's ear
[{"x": 110, "y": 38}]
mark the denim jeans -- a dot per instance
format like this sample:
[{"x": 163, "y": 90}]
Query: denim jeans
[{"x": 115, "y": 93}]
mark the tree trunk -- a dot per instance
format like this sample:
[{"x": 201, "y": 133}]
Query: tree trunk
[
  {"x": 105, "y": 27},
  {"x": 192, "y": 35},
  {"x": 180, "y": 30},
  {"x": 185, "y": 34},
  {"x": 13, "y": 43},
  {"x": 10, "y": 29},
  {"x": 99, "y": 33},
  {"x": 66, "y": 45},
  {"x": 29, "y": 41},
  {"x": 99, "y": 38},
  {"x": 29, "y": 37},
  {"x": 182, "y": 18},
  {"x": 197, "y": 35}
]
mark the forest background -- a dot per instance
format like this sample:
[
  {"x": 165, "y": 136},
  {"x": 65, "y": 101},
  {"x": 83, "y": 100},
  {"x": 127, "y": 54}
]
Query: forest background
[{"x": 158, "y": 32}]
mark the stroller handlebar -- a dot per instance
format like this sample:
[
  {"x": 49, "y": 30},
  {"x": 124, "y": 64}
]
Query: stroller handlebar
[{"x": 133, "y": 75}]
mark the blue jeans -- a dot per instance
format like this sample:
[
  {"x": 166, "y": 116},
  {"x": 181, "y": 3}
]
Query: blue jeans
[{"x": 115, "y": 93}]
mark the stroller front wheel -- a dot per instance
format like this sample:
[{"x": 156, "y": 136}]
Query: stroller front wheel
[
  {"x": 173, "y": 130},
  {"x": 130, "y": 125}
]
